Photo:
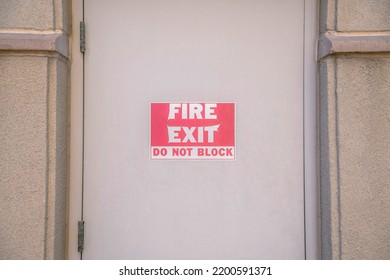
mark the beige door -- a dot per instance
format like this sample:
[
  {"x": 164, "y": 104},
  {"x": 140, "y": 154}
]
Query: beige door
[{"x": 250, "y": 52}]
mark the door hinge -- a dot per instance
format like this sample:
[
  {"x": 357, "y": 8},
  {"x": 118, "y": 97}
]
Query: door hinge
[
  {"x": 82, "y": 36},
  {"x": 80, "y": 236}
]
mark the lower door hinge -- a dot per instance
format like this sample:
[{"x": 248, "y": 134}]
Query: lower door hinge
[{"x": 80, "y": 236}]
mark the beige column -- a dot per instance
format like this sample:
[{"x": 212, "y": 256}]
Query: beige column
[
  {"x": 34, "y": 111},
  {"x": 354, "y": 129}
]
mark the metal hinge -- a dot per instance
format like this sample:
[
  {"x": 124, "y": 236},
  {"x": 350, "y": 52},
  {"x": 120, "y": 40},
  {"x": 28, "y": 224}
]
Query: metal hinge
[
  {"x": 80, "y": 236},
  {"x": 82, "y": 36}
]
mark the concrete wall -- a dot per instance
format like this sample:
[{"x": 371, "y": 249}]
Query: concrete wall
[
  {"x": 33, "y": 129},
  {"x": 355, "y": 134}
]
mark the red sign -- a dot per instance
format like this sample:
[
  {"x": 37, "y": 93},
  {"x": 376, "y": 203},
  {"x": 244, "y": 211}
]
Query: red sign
[{"x": 192, "y": 131}]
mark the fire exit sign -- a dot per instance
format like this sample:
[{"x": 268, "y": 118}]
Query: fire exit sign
[{"x": 189, "y": 131}]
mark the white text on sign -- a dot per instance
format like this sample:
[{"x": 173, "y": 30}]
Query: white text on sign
[{"x": 191, "y": 111}]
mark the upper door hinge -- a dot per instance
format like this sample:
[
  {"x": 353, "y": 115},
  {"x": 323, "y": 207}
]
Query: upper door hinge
[
  {"x": 82, "y": 36},
  {"x": 80, "y": 236}
]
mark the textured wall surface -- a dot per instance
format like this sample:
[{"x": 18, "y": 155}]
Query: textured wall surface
[
  {"x": 355, "y": 138},
  {"x": 34, "y": 14},
  {"x": 33, "y": 157},
  {"x": 355, "y": 15},
  {"x": 363, "y": 15},
  {"x": 23, "y": 93},
  {"x": 33, "y": 135},
  {"x": 364, "y": 155}
]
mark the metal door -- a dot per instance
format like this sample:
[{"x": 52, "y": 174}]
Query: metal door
[{"x": 250, "y": 52}]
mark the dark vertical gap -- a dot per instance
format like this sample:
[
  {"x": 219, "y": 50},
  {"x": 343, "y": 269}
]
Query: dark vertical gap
[
  {"x": 83, "y": 137},
  {"x": 304, "y": 153}
]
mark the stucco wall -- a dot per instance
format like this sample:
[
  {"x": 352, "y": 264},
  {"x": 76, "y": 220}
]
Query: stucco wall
[
  {"x": 33, "y": 134},
  {"x": 355, "y": 15},
  {"x": 355, "y": 138},
  {"x": 34, "y": 14}
]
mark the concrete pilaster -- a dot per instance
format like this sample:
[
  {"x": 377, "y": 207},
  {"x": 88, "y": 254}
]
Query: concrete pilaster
[
  {"x": 354, "y": 130},
  {"x": 33, "y": 128}
]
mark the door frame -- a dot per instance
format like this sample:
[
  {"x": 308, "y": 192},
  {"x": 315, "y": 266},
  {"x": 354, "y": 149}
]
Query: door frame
[{"x": 76, "y": 166}]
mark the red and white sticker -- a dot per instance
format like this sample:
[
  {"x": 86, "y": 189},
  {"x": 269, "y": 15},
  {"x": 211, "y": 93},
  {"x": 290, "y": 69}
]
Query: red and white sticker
[{"x": 192, "y": 131}]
